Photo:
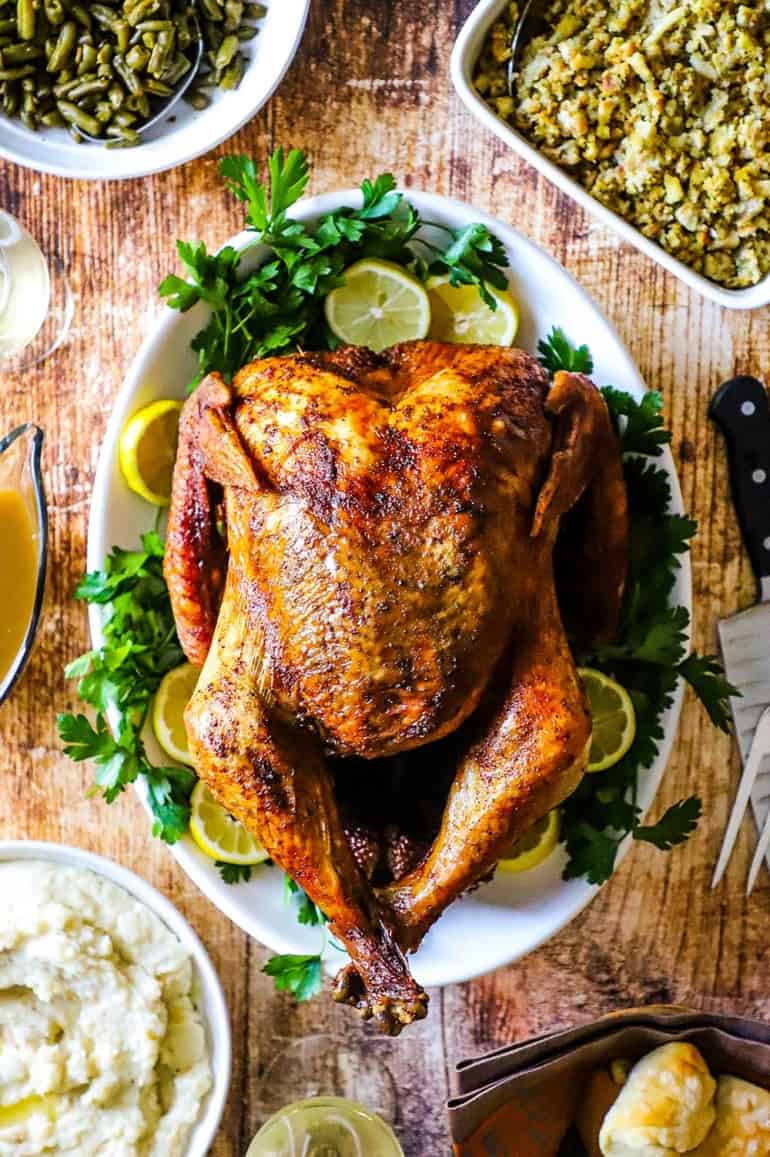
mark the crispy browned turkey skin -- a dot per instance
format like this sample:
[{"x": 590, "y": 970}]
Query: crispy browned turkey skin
[{"x": 388, "y": 575}]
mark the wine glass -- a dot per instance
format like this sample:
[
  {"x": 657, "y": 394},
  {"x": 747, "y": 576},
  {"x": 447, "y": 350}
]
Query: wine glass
[
  {"x": 36, "y": 304},
  {"x": 340, "y": 1102}
]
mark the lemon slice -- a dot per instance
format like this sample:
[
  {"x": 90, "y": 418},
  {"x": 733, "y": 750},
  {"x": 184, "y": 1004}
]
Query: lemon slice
[
  {"x": 218, "y": 835},
  {"x": 534, "y": 846},
  {"x": 171, "y": 698},
  {"x": 614, "y": 719},
  {"x": 379, "y": 304},
  {"x": 147, "y": 450},
  {"x": 459, "y": 315}
]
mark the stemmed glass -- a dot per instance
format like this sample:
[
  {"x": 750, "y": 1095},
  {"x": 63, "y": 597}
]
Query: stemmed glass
[
  {"x": 340, "y": 1103},
  {"x": 36, "y": 304}
]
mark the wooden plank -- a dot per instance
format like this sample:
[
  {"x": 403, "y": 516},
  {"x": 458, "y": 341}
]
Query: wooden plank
[{"x": 370, "y": 90}]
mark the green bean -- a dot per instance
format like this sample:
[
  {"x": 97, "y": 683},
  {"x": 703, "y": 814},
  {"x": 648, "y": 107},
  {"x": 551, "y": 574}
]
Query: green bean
[
  {"x": 20, "y": 53},
  {"x": 161, "y": 53},
  {"x": 103, "y": 68},
  {"x": 55, "y": 13},
  {"x": 233, "y": 74},
  {"x": 82, "y": 15},
  {"x": 25, "y": 19},
  {"x": 198, "y": 100},
  {"x": 174, "y": 71},
  {"x": 74, "y": 115},
  {"x": 137, "y": 58},
  {"x": 88, "y": 59},
  {"x": 226, "y": 51},
  {"x": 212, "y": 9},
  {"x": 17, "y": 73},
  {"x": 53, "y": 120},
  {"x": 63, "y": 48},
  {"x": 157, "y": 87},
  {"x": 87, "y": 87}
]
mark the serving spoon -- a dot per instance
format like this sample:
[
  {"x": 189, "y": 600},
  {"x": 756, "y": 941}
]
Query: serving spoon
[
  {"x": 165, "y": 109},
  {"x": 530, "y": 23}
]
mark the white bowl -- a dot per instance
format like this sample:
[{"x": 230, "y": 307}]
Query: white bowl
[
  {"x": 514, "y": 914},
  {"x": 464, "y": 57},
  {"x": 211, "y": 1000},
  {"x": 191, "y": 133}
]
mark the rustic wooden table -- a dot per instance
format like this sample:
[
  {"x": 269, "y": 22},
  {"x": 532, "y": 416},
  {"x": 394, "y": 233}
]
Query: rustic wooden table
[{"x": 370, "y": 89}]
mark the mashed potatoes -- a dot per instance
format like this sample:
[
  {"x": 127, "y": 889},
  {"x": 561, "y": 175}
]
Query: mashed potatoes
[{"x": 102, "y": 1050}]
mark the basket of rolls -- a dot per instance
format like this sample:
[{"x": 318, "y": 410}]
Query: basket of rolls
[{"x": 651, "y": 1082}]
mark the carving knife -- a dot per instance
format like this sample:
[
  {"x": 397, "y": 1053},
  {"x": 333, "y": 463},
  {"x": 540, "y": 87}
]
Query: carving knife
[{"x": 740, "y": 408}]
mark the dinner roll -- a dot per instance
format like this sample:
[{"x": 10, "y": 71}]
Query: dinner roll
[
  {"x": 665, "y": 1108},
  {"x": 742, "y": 1127}
]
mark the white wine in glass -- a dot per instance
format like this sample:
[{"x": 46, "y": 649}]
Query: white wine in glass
[
  {"x": 325, "y": 1127},
  {"x": 35, "y": 301}
]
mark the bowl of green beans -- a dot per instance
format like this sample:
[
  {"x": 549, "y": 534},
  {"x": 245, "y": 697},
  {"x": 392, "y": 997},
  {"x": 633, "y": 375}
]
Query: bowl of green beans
[{"x": 88, "y": 90}]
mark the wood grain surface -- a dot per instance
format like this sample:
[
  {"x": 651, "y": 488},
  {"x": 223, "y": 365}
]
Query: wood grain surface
[{"x": 370, "y": 89}]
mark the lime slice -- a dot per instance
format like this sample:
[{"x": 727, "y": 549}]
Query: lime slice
[
  {"x": 218, "y": 835},
  {"x": 534, "y": 846},
  {"x": 459, "y": 315},
  {"x": 613, "y": 716},
  {"x": 172, "y": 697},
  {"x": 147, "y": 450},
  {"x": 379, "y": 304}
]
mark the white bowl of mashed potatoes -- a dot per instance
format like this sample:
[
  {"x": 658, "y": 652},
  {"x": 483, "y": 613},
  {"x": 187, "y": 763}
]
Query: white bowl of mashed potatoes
[{"x": 114, "y": 1033}]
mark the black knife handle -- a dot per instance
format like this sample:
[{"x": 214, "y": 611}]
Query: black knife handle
[{"x": 741, "y": 408}]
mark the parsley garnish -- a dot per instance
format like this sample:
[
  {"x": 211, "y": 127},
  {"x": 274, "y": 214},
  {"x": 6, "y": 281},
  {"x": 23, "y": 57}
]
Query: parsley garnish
[
  {"x": 234, "y": 873},
  {"x": 674, "y": 827},
  {"x": 140, "y": 646},
  {"x": 650, "y": 653},
  {"x": 558, "y": 353},
  {"x": 299, "y": 975},
  {"x": 279, "y": 307},
  {"x": 643, "y": 431}
]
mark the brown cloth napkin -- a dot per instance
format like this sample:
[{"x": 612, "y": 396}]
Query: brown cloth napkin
[{"x": 519, "y": 1101}]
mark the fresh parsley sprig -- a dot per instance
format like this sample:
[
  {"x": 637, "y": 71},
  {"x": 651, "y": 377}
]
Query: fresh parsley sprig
[
  {"x": 121, "y": 676},
  {"x": 557, "y": 353},
  {"x": 279, "y": 307},
  {"x": 650, "y": 653},
  {"x": 234, "y": 873},
  {"x": 300, "y": 975}
]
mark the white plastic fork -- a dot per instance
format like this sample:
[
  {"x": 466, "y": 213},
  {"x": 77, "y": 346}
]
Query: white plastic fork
[{"x": 760, "y": 746}]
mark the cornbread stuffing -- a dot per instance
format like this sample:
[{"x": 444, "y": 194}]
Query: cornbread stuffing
[{"x": 659, "y": 108}]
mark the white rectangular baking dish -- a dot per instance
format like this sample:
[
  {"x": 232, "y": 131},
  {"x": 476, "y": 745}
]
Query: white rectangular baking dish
[{"x": 464, "y": 56}]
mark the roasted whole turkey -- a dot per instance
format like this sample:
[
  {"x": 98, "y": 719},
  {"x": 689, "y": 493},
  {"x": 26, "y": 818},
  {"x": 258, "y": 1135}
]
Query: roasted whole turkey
[{"x": 377, "y": 561}]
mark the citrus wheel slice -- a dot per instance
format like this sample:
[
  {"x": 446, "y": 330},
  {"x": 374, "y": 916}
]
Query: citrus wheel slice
[
  {"x": 218, "y": 835},
  {"x": 534, "y": 846},
  {"x": 171, "y": 698},
  {"x": 147, "y": 450},
  {"x": 459, "y": 315},
  {"x": 379, "y": 305},
  {"x": 613, "y": 716}
]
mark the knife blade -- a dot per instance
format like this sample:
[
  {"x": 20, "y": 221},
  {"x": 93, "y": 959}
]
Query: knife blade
[{"x": 741, "y": 410}]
